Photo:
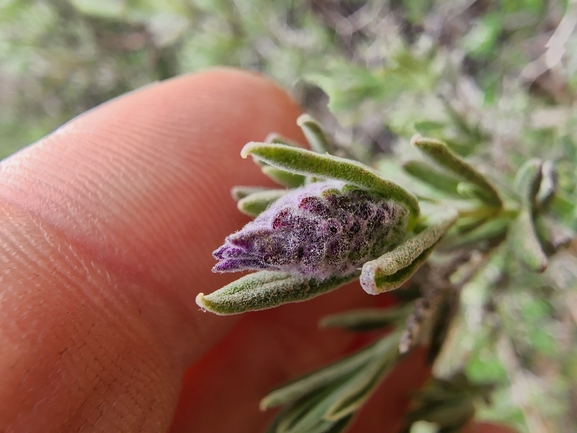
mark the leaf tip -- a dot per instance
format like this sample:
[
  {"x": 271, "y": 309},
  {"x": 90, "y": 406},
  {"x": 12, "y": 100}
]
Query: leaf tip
[
  {"x": 201, "y": 302},
  {"x": 303, "y": 119},
  {"x": 264, "y": 404},
  {"x": 416, "y": 139},
  {"x": 247, "y": 148},
  {"x": 367, "y": 279}
]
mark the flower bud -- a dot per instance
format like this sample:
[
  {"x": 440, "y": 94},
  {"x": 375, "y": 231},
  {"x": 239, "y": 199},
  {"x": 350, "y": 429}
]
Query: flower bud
[{"x": 321, "y": 230}]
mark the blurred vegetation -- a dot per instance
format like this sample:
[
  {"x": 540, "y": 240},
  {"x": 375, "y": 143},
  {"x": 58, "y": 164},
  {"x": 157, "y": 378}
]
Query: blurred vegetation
[{"x": 495, "y": 79}]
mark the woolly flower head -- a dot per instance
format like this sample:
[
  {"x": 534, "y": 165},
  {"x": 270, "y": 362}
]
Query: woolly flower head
[{"x": 320, "y": 230}]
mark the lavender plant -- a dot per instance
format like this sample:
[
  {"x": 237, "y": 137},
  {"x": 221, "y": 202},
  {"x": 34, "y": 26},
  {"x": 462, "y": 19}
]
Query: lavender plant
[{"x": 336, "y": 220}]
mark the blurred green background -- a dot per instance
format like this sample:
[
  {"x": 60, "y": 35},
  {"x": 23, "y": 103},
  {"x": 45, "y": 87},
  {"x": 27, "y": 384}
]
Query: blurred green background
[{"x": 495, "y": 79}]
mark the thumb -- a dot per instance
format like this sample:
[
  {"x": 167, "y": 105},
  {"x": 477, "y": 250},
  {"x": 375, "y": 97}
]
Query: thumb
[{"x": 106, "y": 229}]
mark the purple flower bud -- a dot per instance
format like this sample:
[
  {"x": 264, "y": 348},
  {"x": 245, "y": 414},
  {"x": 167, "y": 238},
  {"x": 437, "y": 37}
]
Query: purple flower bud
[{"x": 320, "y": 230}]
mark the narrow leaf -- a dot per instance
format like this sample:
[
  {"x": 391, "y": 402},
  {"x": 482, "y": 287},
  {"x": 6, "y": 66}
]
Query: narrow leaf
[
  {"x": 548, "y": 186},
  {"x": 524, "y": 242},
  {"x": 257, "y": 202},
  {"x": 528, "y": 180},
  {"x": 441, "y": 154},
  {"x": 275, "y": 138},
  {"x": 489, "y": 230},
  {"x": 314, "y": 134},
  {"x": 307, "y": 413},
  {"x": 386, "y": 283},
  {"x": 283, "y": 177},
  {"x": 305, "y": 162},
  {"x": 266, "y": 289},
  {"x": 467, "y": 223},
  {"x": 238, "y": 192},
  {"x": 366, "y": 319},
  {"x": 308, "y": 383},
  {"x": 470, "y": 191},
  {"x": 429, "y": 174},
  {"x": 393, "y": 268},
  {"x": 359, "y": 389},
  {"x": 552, "y": 236}
]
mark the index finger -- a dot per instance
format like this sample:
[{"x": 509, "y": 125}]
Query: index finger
[{"x": 106, "y": 229}]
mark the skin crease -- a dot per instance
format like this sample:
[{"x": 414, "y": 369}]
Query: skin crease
[{"x": 106, "y": 233}]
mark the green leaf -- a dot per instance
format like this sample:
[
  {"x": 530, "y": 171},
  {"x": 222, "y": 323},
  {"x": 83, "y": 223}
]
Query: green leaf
[
  {"x": 470, "y": 191},
  {"x": 257, "y": 202},
  {"x": 266, "y": 289},
  {"x": 552, "y": 236},
  {"x": 284, "y": 177},
  {"x": 392, "y": 269},
  {"x": 487, "y": 231},
  {"x": 442, "y": 155},
  {"x": 239, "y": 192},
  {"x": 308, "y": 416},
  {"x": 305, "y": 162},
  {"x": 314, "y": 134},
  {"x": 527, "y": 182},
  {"x": 361, "y": 387},
  {"x": 524, "y": 243},
  {"x": 548, "y": 186},
  {"x": 274, "y": 138},
  {"x": 307, "y": 413},
  {"x": 366, "y": 319},
  {"x": 338, "y": 398},
  {"x": 429, "y": 174},
  {"x": 294, "y": 390},
  {"x": 386, "y": 283}
]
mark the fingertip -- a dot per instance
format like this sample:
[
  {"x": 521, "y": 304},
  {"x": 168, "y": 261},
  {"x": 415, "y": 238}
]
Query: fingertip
[{"x": 109, "y": 226}]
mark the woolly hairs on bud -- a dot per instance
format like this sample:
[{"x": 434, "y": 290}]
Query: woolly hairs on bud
[{"x": 321, "y": 230}]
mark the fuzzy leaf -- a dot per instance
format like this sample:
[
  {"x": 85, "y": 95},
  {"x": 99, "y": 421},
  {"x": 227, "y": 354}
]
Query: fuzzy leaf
[
  {"x": 283, "y": 177},
  {"x": 294, "y": 390},
  {"x": 307, "y": 413},
  {"x": 275, "y": 138},
  {"x": 386, "y": 283},
  {"x": 429, "y": 174},
  {"x": 470, "y": 191},
  {"x": 395, "y": 267},
  {"x": 488, "y": 230},
  {"x": 359, "y": 389},
  {"x": 314, "y": 134},
  {"x": 238, "y": 192},
  {"x": 524, "y": 243},
  {"x": 548, "y": 186},
  {"x": 265, "y": 289},
  {"x": 257, "y": 202},
  {"x": 441, "y": 154},
  {"x": 366, "y": 319},
  {"x": 527, "y": 181},
  {"x": 552, "y": 236},
  {"x": 305, "y": 162}
]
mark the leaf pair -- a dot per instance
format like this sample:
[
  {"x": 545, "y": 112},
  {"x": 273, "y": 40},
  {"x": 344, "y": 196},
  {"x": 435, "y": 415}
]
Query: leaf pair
[{"x": 325, "y": 400}]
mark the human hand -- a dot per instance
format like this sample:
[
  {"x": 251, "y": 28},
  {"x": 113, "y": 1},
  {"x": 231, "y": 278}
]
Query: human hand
[{"x": 106, "y": 232}]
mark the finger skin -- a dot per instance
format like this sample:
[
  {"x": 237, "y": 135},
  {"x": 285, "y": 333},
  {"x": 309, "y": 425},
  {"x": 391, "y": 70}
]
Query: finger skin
[{"x": 106, "y": 229}]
